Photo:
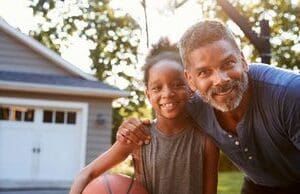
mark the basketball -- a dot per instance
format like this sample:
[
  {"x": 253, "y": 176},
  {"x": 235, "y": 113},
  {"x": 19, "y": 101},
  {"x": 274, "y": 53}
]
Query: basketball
[{"x": 114, "y": 184}]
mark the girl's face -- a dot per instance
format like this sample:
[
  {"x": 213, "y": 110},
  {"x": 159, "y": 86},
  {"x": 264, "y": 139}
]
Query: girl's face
[{"x": 167, "y": 89}]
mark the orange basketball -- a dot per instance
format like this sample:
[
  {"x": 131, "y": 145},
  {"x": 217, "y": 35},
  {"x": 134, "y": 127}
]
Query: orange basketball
[{"x": 114, "y": 184}]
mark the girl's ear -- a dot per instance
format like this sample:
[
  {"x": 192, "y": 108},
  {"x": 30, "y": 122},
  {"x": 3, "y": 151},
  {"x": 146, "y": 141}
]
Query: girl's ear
[
  {"x": 146, "y": 93},
  {"x": 189, "y": 79}
]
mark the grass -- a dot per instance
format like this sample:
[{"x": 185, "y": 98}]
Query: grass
[{"x": 230, "y": 182}]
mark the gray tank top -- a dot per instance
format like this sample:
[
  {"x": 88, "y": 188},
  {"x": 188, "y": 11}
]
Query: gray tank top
[{"x": 172, "y": 164}]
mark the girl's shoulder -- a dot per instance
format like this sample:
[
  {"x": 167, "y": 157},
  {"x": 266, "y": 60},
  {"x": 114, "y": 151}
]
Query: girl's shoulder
[{"x": 195, "y": 126}]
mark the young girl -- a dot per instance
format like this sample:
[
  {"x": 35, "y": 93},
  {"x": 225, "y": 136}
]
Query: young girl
[{"x": 180, "y": 159}]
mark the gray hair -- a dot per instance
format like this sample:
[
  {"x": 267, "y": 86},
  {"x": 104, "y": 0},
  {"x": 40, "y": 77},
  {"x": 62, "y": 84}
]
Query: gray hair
[{"x": 201, "y": 34}]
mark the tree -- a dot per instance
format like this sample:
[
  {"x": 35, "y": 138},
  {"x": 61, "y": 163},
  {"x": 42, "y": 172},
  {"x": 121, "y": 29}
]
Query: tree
[
  {"x": 114, "y": 37},
  {"x": 284, "y": 22}
]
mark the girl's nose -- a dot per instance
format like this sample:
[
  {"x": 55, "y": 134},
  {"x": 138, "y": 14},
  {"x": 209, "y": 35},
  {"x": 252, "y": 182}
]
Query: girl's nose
[{"x": 168, "y": 92}]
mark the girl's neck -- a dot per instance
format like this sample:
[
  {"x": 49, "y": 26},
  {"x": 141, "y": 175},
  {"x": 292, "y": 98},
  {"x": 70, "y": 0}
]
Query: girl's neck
[{"x": 172, "y": 126}]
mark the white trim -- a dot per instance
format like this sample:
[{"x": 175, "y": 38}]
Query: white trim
[
  {"x": 43, "y": 50},
  {"x": 58, "y": 104},
  {"x": 84, "y": 136},
  {"x": 70, "y": 90}
]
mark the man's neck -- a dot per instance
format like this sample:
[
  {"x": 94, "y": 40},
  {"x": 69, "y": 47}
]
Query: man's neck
[{"x": 229, "y": 120}]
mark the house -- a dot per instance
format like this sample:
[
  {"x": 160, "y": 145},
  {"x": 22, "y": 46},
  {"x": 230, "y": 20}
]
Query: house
[{"x": 54, "y": 118}]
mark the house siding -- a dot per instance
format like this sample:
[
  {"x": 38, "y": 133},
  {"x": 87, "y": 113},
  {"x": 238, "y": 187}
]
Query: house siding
[
  {"x": 98, "y": 136},
  {"x": 16, "y": 56}
]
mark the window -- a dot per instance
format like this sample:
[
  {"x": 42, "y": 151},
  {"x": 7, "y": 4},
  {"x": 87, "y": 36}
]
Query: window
[
  {"x": 29, "y": 115},
  {"x": 71, "y": 118},
  {"x": 59, "y": 117},
  {"x": 16, "y": 113},
  {"x": 47, "y": 118},
  {"x": 4, "y": 113}
]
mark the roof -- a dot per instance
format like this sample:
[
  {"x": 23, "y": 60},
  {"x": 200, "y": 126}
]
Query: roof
[
  {"x": 85, "y": 85},
  {"x": 34, "y": 82},
  {"x": 44, "y": 51}
]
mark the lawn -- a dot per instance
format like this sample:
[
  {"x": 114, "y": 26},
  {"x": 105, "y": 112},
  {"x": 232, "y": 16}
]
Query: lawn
[{"x": 230, "y": 182}]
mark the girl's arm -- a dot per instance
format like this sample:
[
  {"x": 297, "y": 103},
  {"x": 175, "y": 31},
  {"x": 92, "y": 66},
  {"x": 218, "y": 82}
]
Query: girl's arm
[
  {"x": 116, "y": 154},
  {"x": 210, "y": 166}
]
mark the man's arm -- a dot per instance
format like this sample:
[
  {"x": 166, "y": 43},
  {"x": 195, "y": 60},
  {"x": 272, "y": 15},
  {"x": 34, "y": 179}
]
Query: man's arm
[
  {"x": 293, "y": 123},
  {"x": 291, "y": 111},
  {"x": 134, "y": 131}
]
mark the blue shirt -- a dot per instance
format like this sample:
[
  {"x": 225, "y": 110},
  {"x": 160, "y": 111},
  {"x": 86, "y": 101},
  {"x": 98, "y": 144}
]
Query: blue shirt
[{"x": 267, "y": 145}]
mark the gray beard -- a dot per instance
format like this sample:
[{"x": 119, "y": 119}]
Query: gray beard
[{"x": 240, "y": 86}]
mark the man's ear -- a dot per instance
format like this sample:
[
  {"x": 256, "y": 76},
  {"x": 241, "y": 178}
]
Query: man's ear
[
  {"x": 243, "y": 60},
  {"x": 189, "y": 79}
]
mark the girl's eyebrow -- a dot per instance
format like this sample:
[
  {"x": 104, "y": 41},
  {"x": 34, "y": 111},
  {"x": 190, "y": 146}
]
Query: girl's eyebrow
[{"x": 156, "y": 82}]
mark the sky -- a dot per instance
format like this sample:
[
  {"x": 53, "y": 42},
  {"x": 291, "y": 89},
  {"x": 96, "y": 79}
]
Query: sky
[{"x": 171, "y": 24}]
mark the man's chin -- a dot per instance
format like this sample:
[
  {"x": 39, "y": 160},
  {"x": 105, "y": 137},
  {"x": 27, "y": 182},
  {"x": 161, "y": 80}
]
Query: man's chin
[{"x": 225, "y": 107}]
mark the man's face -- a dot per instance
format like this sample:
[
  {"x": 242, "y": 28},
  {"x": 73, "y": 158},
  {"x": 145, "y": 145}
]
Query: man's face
[{"x": 218, "y": 72}]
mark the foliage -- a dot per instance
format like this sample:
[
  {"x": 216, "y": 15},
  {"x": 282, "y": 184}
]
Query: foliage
[
  {"x": 114, "y": 37},
  {"x": 284, "y": 22}
]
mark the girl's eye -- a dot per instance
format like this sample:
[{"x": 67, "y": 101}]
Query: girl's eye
[{"x": 155, "y": 89}]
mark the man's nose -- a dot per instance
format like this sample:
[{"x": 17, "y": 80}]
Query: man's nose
[{"x": 220, "y": 77}]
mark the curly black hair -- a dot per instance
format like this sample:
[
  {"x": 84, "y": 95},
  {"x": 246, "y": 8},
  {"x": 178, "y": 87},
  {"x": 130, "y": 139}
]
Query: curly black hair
[{"x": 162, "y": 50}]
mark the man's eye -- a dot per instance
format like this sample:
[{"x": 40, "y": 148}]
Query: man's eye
[
  {"x": 203, "y": 73},
  {"x": 229, "y": 64}
]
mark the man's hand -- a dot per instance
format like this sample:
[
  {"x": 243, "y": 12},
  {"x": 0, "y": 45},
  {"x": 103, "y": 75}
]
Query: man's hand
[{"x": 134, "y": 131}]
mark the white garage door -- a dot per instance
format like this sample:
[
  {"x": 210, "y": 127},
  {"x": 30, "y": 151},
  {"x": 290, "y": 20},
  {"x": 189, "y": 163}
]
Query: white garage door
[{"x": 40, "y": 143}]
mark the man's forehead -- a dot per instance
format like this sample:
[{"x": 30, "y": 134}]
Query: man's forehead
[{"x": 217, "y": 50}]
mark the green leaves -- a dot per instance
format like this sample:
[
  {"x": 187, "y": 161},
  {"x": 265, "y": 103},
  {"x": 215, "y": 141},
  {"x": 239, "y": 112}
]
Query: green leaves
[
  {"x": 115, "y": 38},
  {"x": 284, "y": 23}
]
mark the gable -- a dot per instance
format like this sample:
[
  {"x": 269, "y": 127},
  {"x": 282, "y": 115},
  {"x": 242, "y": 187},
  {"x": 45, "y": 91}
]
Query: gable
[
  {"x": 27, "y": 65},
  {"x": 16, "y": 56}
]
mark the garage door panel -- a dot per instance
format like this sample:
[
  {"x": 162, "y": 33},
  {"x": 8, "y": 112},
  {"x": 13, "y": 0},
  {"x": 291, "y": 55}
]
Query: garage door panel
[
  {"x": 16, "y": 153},
  {"x": 59, "y": 155}
]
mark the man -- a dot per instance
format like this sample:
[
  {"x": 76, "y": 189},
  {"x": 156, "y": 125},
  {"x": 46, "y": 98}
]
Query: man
[{"x": 251, "y": 111}]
